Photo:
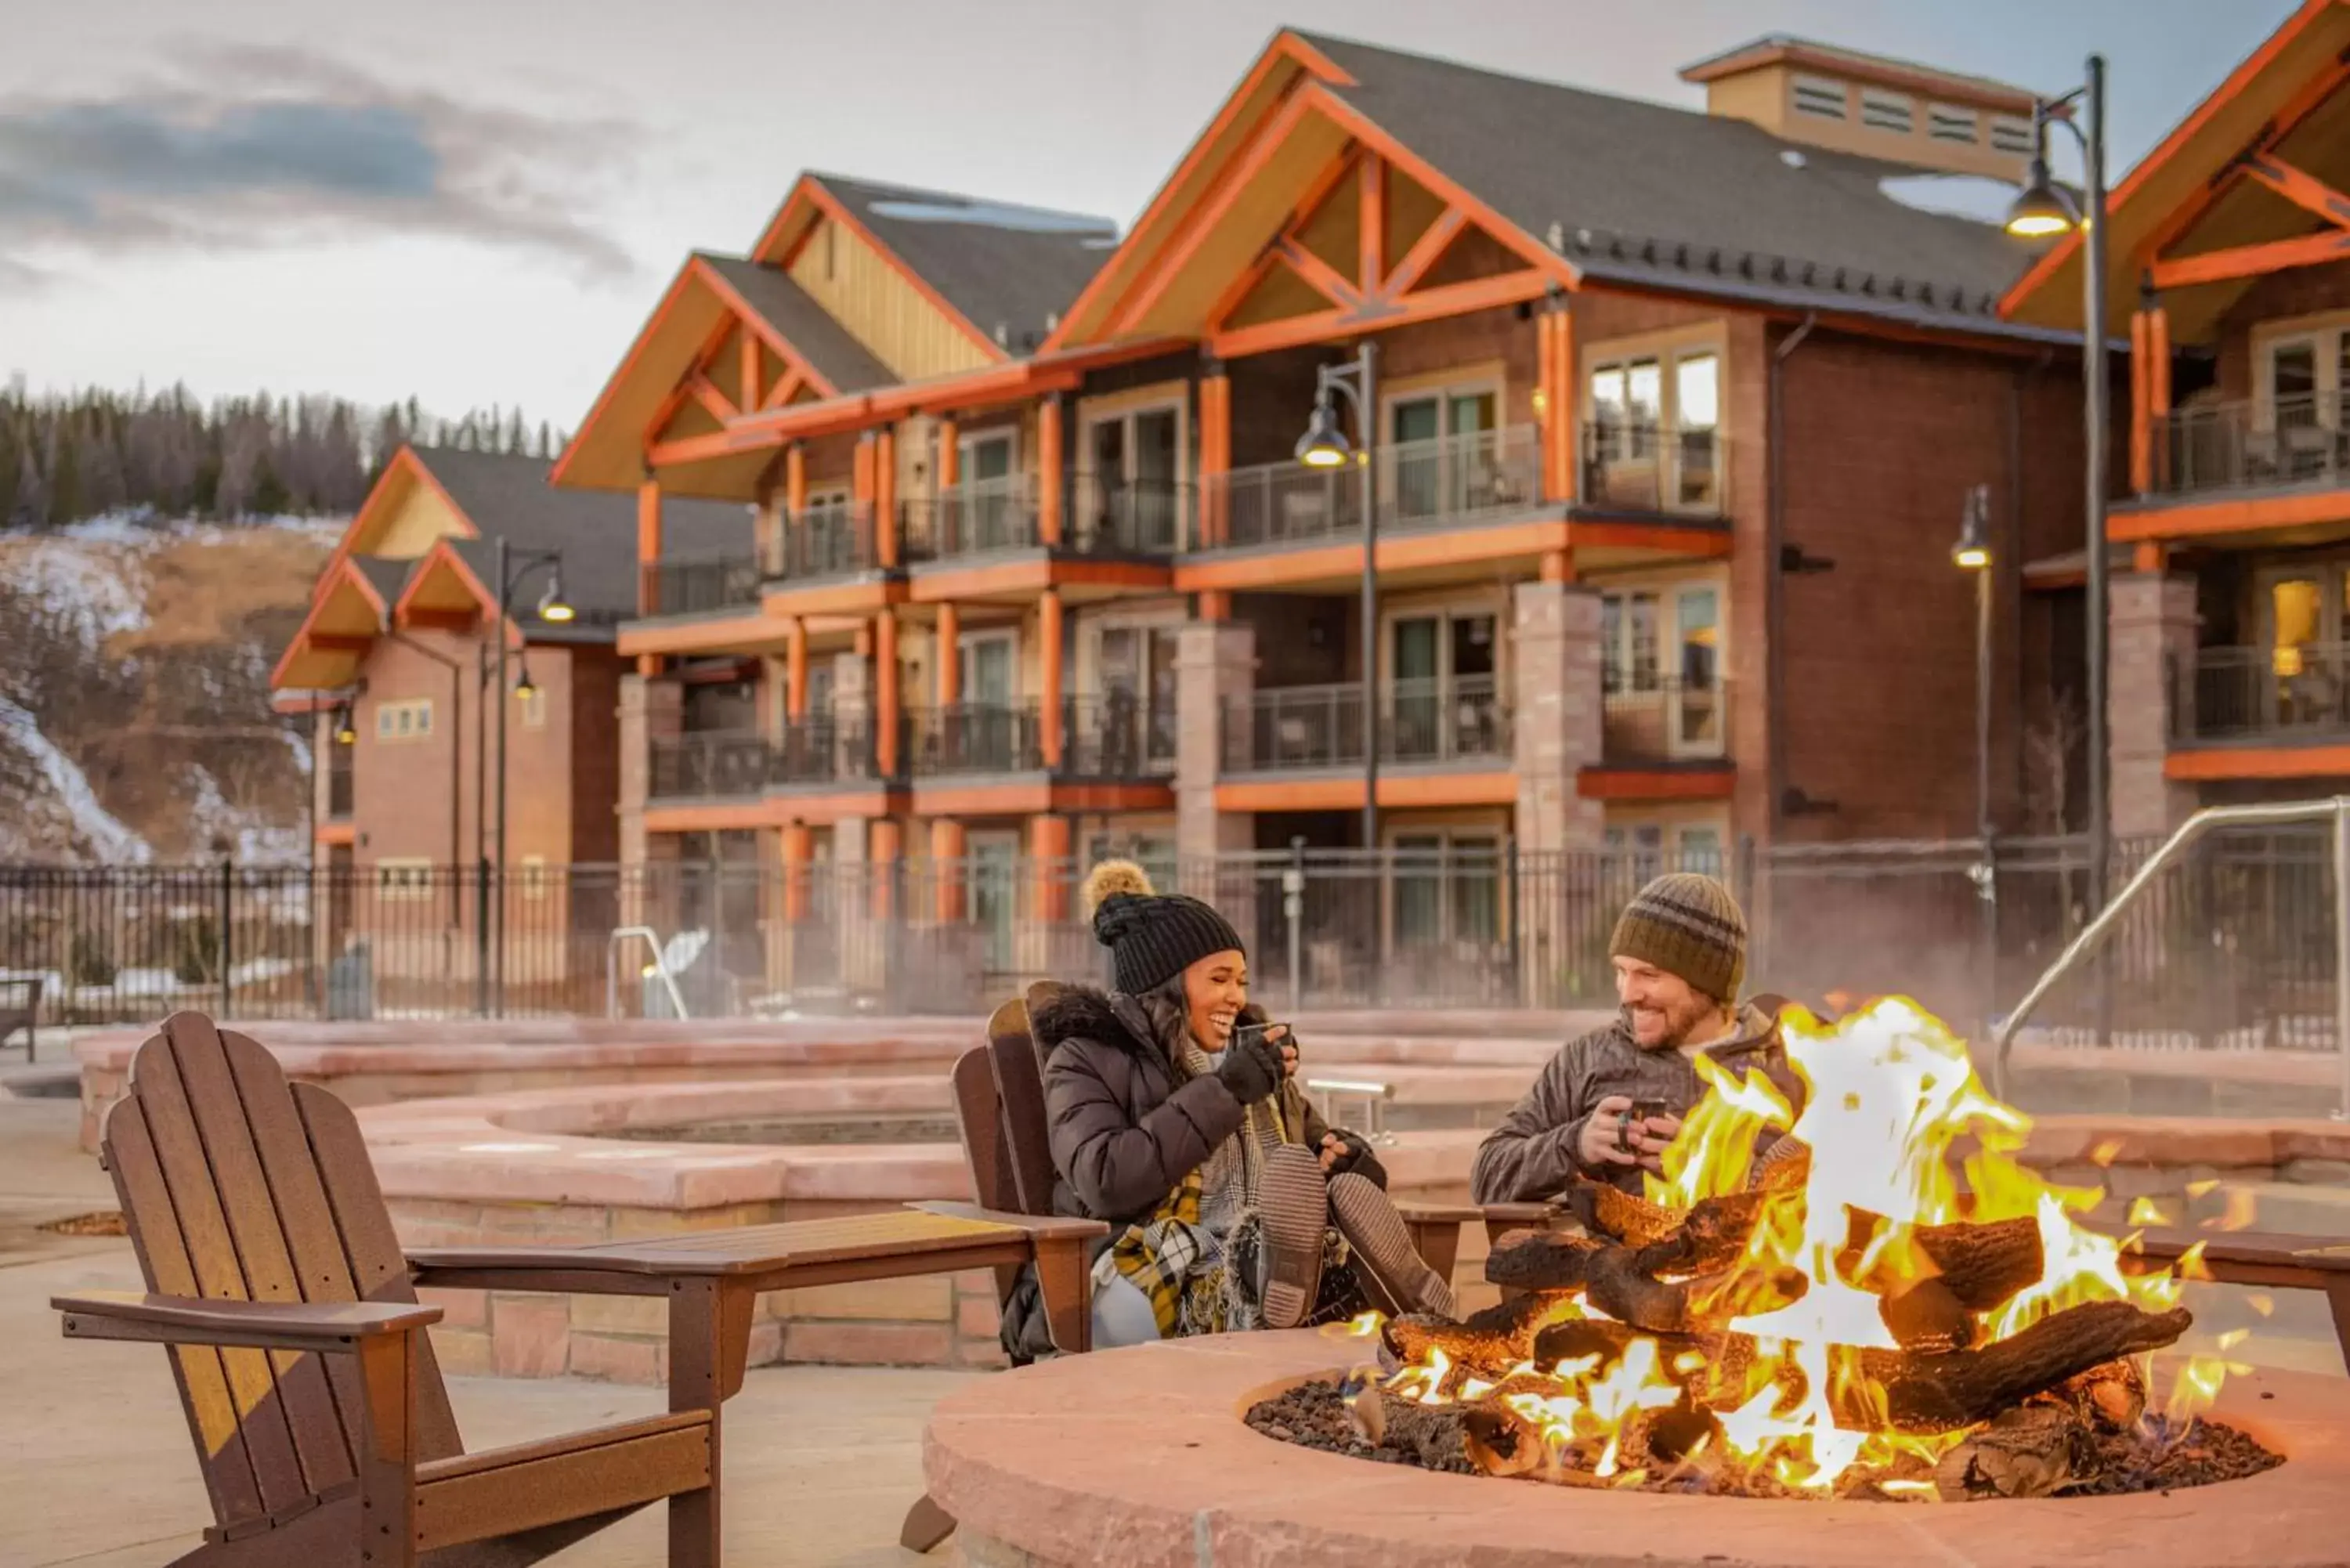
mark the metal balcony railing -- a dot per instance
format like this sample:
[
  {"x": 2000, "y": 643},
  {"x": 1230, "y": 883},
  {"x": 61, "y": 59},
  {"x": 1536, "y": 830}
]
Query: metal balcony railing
[
  {"x": 970, "y": 519},
  {"x": 831, "y": 540},
  {"x": 737, "y": 763},
  {"x": 1647, "y": 467},
  {"x": 1114, "y": 737},
  {"x": 1304, "y": 728},
  {"x": 978, "y": 737},
  {"x": 1420, "y": 484},
  {"x": 2245, "y": 694},
  {"x": 1651, "y": 720},
  {"x": 693, "y": 584},
  {"x": 1116, "y": 516},
  {"x": 2296, "y": 440}
]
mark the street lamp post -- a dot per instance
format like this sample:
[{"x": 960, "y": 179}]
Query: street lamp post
[
  {"x": 512, "y": 566},
  {"x": 1972, "y": 554},
  {"x": 1325, "y": 445},
  {"x": 2040, "y": 210}
]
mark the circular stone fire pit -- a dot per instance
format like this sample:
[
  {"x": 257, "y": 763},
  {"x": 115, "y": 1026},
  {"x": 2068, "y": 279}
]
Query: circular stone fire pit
[{"x": 1140, "y": 1457}]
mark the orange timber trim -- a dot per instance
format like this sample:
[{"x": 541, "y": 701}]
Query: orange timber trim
[
  {"x": 1605, "y": 783},
  {"x": 734, "y": 634},
  {"x": 336, "y": 832},
  {"x": 2197, "y": 519},
  {"x": 1400, "y": 791},
  {"x": 863, "y": 597},
  {"x": 1035, "y": 792},
  {"x": 938, "y": 583},
  {"x": 2215, "y": 762},
  {"x": 774, "y": 811}
]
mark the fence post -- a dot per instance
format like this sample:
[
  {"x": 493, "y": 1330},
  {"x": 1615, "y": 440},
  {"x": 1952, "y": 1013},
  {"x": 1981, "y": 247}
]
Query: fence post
[
  {"x": 482, "y": 936},
  {"x": 2341, "y": 951},
  {"x": 1293, "y": 906},
  {"x": 1757, "y": 921},
  {"x": 1988, "y": 892},
  {"x": 227, "y": 923},
  {"x": 1515, "y": 914}
]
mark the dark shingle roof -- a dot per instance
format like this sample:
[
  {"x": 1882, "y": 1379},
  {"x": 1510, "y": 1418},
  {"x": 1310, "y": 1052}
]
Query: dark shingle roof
[
  {"x": 385, "y": 575},
  {"x": 595, "y": 531},
  {"x": 805, "y": 324},
  {"x": 1645, "y": 192},
  {"x": 1008, "y": 268}
]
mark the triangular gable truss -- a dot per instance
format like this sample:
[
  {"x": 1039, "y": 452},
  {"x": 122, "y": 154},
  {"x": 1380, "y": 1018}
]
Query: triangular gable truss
[
  {"x": 341, "y": 575},
  {"x": 427, "y": 601},
  {"x": 743, "y": 367},
  {"x": 2261, "y": 166},
  {"x": 1456, "y": 255}
]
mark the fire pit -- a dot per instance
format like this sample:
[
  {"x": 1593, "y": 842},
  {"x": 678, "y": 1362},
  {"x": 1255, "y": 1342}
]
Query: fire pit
[
  {"x": 1141, "y": 1458},
  {"x": 1868, "y": 1302}
]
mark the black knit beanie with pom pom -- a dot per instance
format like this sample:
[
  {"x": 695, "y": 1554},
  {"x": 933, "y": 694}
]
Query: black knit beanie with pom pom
[{"x": 1153, "y": 939}]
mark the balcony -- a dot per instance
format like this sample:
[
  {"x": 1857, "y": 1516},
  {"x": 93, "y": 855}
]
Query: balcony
[
  {"x": 2285, "y": 443},
  {"x": 1306, "y": 728},
  {"x": 974, "y": 519},
  {"x": 698, "y": 584},
  {"x": 1101, "y": 738},
  {"x": 1115, "y": 517},
  {"x": 1649, "y": 721},
  {"x": 1629, "y": 467},
  {"x": 2280, "y": 695},
  {"x": 834, "y": 541},
  {"x": 1421, "y": 484},
  {"x": 741, "y": 763}
]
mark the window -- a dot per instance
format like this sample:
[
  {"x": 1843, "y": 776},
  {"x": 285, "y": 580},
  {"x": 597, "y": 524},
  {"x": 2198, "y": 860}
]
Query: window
[
  {"x": 2299, "y": 376},
  {"x": 1947, "y": 122},
  {"x": 1133, "y": 483},
  {"x": 1136, "y": 674},
  {"x": 1821, "y": 96},
  {"x": 533, "y": 708},
  {"x": 1441, "y": 699},
  {"x": 1643, "y": 849},
  {"x": 1662, "y": 662},
  {"x": 1655, "y": 435},
  {"x": 1446, "y": 889},
  {"x": 403, "y": 880},
  {"x": 2008, "y": 134},
  {"x": 1882, "y": 111},
  {"x": 1442, "y": 452},
  {"x": 532, "y": 880},
  {"x": 405, "y": 721}
]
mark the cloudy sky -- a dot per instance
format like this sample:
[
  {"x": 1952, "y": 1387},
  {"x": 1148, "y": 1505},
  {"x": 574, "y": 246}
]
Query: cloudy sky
[{"x": 477, "y": 200}]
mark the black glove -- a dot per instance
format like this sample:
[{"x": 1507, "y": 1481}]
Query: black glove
[
  {"x": 1355, "y": 1155},
  {"x": 1251, "y": 1069}
]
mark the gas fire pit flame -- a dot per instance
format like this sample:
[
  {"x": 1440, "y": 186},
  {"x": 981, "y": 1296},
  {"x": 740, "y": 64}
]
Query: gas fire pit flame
[{"x": 1893, "y": 1118}]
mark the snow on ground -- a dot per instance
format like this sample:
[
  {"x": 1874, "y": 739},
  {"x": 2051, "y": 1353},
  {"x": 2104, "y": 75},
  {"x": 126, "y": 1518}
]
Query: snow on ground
[{"x": 107, "y": 838}]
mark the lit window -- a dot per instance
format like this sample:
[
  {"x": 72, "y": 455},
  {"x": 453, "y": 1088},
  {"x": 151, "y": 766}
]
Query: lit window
[
  {"x": 1821, "y": 96},
  {"x": 403, "y": 880},
  {"x": 533, "y": 708},
  {"x": 533, "y": 879},
  {"x": 1947, "y": 122},
  {"x": 1881, "y": 111}
]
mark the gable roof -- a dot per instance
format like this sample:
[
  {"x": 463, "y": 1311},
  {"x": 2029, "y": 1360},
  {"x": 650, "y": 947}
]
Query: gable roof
[
  {"x": 1641, "y": 193},
  {"x": 784, "y": 305},
  {"x": 1007, "y": 269}
]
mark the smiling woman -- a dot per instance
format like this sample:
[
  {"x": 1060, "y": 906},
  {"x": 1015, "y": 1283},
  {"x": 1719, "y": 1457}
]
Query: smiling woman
[{"x": 299, "y": 144}]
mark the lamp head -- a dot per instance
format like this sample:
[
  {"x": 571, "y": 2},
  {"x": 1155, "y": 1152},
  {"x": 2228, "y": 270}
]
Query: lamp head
[
  {"x": 525, "y": 687},
  {"x": 2041, "y": 210},
  {"x": 346, "y": 734},
  {"x": 1324, "y": 444},
  {"x": 552, "y": 606},
  {"x": 1973, "y": 552}
]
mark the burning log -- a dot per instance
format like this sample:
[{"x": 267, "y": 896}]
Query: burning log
[
  {"x": 1928, "y": 1316},
  {"x": 1942, "y": 1393},
  {"x": 1981, "y": 1264},
  {"x": 1611, "y": 1212},
  {"x": 1711, "y": 1236},
  {"x": 1540, "y": 1260},
  {"x": 1490, "y": 1342},
  {"x": 2028, "y": 1451},
  {"x": 2109, "y": 1399}
]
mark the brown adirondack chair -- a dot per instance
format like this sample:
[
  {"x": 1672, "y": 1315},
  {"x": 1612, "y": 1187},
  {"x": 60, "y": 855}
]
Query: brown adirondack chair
[{"x": 322, "y": 1426}]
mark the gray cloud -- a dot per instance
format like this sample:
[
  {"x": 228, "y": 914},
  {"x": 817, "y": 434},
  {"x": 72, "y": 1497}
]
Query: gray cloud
[{"x": 280, "y": 146}]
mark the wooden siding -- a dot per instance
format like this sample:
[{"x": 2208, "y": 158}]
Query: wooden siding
[{"x": 879, "y": 308}]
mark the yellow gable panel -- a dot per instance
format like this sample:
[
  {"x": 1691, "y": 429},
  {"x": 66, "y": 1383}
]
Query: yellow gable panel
[
  {"x": 409, "y": 525},
  {"x": 897, "y": 325}
]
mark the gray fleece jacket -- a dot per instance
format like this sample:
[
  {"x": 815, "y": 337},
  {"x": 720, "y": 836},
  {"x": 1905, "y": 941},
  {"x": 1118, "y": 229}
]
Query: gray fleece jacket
[{"x": 1530, "y": 1156}]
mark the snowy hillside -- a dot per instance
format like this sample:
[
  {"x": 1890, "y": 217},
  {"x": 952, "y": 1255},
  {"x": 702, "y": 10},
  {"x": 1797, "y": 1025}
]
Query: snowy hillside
[{"x": 134, "y": 703}]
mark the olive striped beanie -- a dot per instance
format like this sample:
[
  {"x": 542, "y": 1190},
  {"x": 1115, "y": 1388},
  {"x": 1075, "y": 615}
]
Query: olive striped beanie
[{"x": 1689, "y": 925}]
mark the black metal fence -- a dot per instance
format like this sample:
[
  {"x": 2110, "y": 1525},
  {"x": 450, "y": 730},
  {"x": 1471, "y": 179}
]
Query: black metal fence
[{"x": 2234, "y": 947}]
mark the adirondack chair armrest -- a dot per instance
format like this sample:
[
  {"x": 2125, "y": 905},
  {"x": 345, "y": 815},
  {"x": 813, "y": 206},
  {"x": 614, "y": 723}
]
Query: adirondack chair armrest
[
  {"x": 1418, "y": 1213},
  {"x": 1044, "y": 1226},
  {"x": 1511, "y": 1216},
  {"x": 581, "y": 1271},
  {"x": 324, "y": 1326}
]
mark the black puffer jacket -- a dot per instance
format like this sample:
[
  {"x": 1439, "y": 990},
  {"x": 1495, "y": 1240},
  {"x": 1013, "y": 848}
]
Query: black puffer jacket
[{"x": 1126, "y": 1124}]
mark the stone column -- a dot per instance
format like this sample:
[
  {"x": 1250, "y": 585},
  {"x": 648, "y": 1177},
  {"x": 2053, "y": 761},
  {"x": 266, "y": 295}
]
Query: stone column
[
  {"x": 2151, "y": 625},
  {"x": 1215, "y": 667},
  {"x": 852, "y": 715},
  {"x": 1556, "y": 731},
  {"x": 1555, "y": 714},
  {"x": 650, "y": 711}
]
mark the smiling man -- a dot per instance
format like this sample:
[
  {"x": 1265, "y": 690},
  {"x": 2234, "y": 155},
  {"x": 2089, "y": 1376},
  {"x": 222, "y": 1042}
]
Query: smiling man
[{"x": 1607, "y": 1105}]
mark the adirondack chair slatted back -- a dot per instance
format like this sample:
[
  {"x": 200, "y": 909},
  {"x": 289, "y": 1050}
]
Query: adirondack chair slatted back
[
  {"x": 1020, "y": 1089},
  {"x": 978, "y": 1111},
  {"x": 235, "y": 1187}
]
